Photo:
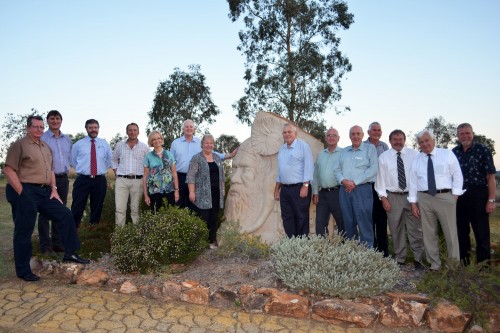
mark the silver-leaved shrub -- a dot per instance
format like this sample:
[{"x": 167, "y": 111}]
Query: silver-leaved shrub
[
  {"x": 332, "y": 267},
  {"x": 172, "y": 235}
]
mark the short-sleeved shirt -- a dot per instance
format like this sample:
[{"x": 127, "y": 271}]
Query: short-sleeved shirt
[
  {"x": 476, "y": 163},
  {"x": 160, "y": 172},
  {"x": 32, "y": 161}
]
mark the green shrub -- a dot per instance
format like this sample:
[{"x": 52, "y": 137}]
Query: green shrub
[
  {"x": 332, "y": 267},
  {"x": 235, "y": 243},
  {"x": 172, "y": 235}
]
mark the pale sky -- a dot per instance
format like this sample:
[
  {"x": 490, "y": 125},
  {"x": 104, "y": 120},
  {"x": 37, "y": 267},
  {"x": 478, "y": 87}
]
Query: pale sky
[{"x": 412, "y": 60}]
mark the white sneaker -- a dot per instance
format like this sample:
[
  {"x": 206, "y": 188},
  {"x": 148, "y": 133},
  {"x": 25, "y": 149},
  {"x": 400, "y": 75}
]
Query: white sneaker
[{"x": 213, "y": 246}]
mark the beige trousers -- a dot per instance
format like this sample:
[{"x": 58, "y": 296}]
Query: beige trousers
[{"x": 125, "y": 188}]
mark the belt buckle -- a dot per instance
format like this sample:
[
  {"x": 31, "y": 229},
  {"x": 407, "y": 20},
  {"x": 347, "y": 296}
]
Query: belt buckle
[{"x": 92, "y": 176}]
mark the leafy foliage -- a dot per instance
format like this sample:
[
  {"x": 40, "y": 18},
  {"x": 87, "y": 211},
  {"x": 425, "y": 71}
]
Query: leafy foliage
[
  {"x": 173, "y": 235},
  {"x": 184, "y": 95},
  {"x": 235, "y": 243},
  {"x": 114, "y": 140},
  {"x": 335, "y": 267},
  {"x": 76, "y": 137},
  {"x": 444, "y": 132},
  {"x": 293, "y": 62},
  {"x": 226, "y": 144},
  {"x": 14, "y": 128}
]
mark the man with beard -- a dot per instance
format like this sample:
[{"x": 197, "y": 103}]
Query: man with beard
[{"x": 91, "y": 158}]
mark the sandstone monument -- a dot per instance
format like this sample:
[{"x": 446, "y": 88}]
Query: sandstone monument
[{"x": 250, "y": 200}]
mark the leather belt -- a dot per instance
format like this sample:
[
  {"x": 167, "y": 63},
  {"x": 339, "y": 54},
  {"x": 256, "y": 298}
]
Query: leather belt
[
  {"x": 290, "y": 185},
  {"x": 446, "y": 190},
  {"x": 400, "y": 193},
  {"x": 61, "y": 175},
  {"x": 130, "y": 176},
  {"x": 328, "y": 189},
  {"x": 89, "y": 176},
  {"x": 37, "y": 185}
]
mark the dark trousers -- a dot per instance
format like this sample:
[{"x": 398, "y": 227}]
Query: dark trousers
[
  {"x": 328, "y": 203},
  {"x": 11, "y": 196},
  {"x": 471, "y": 211},
  {"x": 84, "y": 187},
  {"x": 32, "y": 200},
  {"x": 295, "y": 210},
  {"x": 211, "y": 215},
  {"x": 184, "y": 193},
  {"x": 48, "y": 233},
  {"x": 157, "y": 200},
  {"x": 379, "y": 218}
]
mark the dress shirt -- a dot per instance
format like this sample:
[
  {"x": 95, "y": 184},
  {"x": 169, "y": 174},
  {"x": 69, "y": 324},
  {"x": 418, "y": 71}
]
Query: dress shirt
[
  {"x": 381, "y": 146},
  {"x": 80, "y": 156},
  {"x": 61, "y": 150},
  {"x": 446, "y": 169},
  {"x": 476, "y": 163},
  {"x": 359, "y": 165},
  {"x": 387, "y": 175},
  {"x": 183, "y": 151},
  {"x": 129, "y": 161},
  {"x": 323, "y": 170},
  {"x": 295, "y": 163}
]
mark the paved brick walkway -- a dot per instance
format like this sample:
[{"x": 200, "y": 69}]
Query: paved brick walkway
[{"x": 44, "y": 307}]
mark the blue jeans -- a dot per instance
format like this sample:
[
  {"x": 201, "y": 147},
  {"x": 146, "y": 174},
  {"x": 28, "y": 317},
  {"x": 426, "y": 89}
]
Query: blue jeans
[{"x": 357, "y": 209}]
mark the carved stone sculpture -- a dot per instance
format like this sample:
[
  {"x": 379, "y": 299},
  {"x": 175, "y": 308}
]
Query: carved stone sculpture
[{"x": 250, "y": 199}]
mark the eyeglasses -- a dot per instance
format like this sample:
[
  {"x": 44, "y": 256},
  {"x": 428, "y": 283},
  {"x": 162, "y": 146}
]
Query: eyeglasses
[
  {"x": 332, "y": 136},
  {"x": 38, "y": 127}
]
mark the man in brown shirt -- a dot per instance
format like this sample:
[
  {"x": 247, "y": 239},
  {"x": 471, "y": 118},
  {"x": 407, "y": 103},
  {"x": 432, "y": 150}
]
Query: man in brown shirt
[{"x": 28, "y": 169}]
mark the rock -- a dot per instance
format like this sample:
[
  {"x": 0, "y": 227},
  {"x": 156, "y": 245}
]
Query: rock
[
  {"x": 334, "y": 310},
  {"x": 92, "y": 278},
  {"x": 287, "y": 305},
  {"x": 494, "y": 320},
  {"x": 223, "y": 298},
  {"x": 128, "y": 288},
  {"x": 36, "y": 264},
  {"x": 68, "y": 272},
  {"x": 151, "y": 291},
  {"x": 171, "y": 290},
  {"x": 197, "y": 295},
  {"x": 246, "y": 289},
  {"x": 398, "y": 312},
  {"x": 253, "y": 303},
  {"x": 447, "y": 317},
  {"x": 267, "y": 291},
  {"x": 476, "y": 329},
  {"x": 421, "y": 298},
  {"x": 190, "y": 284}
]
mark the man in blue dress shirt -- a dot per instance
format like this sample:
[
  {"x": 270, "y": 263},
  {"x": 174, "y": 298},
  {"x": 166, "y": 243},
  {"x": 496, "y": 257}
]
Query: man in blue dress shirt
[
  {"x": 356, "y": 172},
  {"x": 295, "y": 173},
  {"x": 90, "y": 182},
  {"x": 60, "y": 145}
]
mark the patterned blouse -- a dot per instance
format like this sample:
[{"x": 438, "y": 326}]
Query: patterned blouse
[
  {"x": 199, "y": 174},
  {"x": 160, "y": 172},
  {"x": 475, "y": 163}
]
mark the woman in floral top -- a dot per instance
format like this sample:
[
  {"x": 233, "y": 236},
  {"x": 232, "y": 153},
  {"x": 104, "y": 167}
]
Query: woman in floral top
[{"x": 160, "y": 177}]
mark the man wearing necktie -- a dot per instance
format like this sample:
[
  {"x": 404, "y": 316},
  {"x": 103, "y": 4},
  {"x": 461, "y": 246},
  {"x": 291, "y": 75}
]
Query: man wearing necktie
[
  {"x": 392, "y": 189},
  {"x": 91, "y": 158},
  {"x": 435, "y": 184}
]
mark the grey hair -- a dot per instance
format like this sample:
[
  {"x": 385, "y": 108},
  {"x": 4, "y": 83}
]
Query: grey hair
[
  {"x": 426, "y": 131},
  {"x": 290, "y": 125},
  {"x": 207, "y": 136},
  {"x": 375, "y": 123}
]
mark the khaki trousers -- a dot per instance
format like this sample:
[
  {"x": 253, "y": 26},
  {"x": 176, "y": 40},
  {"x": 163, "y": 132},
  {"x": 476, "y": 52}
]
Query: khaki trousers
[
  {"x": 443, "y": 208},
  {"x": 124, "y": 188},
  {"x": 401, "y": 222}
]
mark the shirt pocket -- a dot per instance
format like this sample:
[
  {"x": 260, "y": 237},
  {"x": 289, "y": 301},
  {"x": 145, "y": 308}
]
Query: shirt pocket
[{"x": 294, "y": 160}]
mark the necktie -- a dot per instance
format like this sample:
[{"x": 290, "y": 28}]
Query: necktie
[
  {"x": 93, "y": 159},
  {"x": 431, "y": 179},
  {"x": 401, "y": 172}
]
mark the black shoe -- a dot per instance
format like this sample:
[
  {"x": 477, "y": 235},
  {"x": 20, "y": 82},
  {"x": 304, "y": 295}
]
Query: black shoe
[
  {"x": 30, "y": 277},
  {"x": 418, "y": 266},
  {"x": 401, "y": 264},
  {"x": 75, "y": 258}
]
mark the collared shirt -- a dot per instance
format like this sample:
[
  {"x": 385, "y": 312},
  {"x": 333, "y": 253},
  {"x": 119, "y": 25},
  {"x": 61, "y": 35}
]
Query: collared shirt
[
  {"x": 381, "y": 146},
  {"x": 295, "y": 163},
  {"x": 323, "y": 169},
  {"x": 61, "y": 150},
  {"x": 31, "y": 161},
  {"x": 80, "y": 156},
  {"x": 184, "y": 151},
  {"x": 359, "y": 165},
  {"x": 129, "y": 161},
  {"x": 387, "y": 175},
  {"x": 446, "y": 170},
  {"x": 476, "y": 163}
]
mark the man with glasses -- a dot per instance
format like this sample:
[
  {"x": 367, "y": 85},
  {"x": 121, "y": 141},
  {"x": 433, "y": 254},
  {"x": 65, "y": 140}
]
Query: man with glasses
[{"x": 29, "y": 171}]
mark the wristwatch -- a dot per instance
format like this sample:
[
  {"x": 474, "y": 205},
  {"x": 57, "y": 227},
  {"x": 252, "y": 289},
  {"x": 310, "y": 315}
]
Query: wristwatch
[
  {"x": 491, "y": 200},
  {"x": 305, "y": 184}
]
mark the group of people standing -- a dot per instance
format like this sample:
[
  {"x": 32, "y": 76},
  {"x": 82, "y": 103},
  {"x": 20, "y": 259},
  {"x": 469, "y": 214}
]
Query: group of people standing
[
  {"x": 368, "y": 186},
  {"x": 37, "y": 166}
]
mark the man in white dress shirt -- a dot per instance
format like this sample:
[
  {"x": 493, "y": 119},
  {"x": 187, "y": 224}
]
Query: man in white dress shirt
[
  {"x": 435, "y": 183},
  {"x": 392, "y": 189}
]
